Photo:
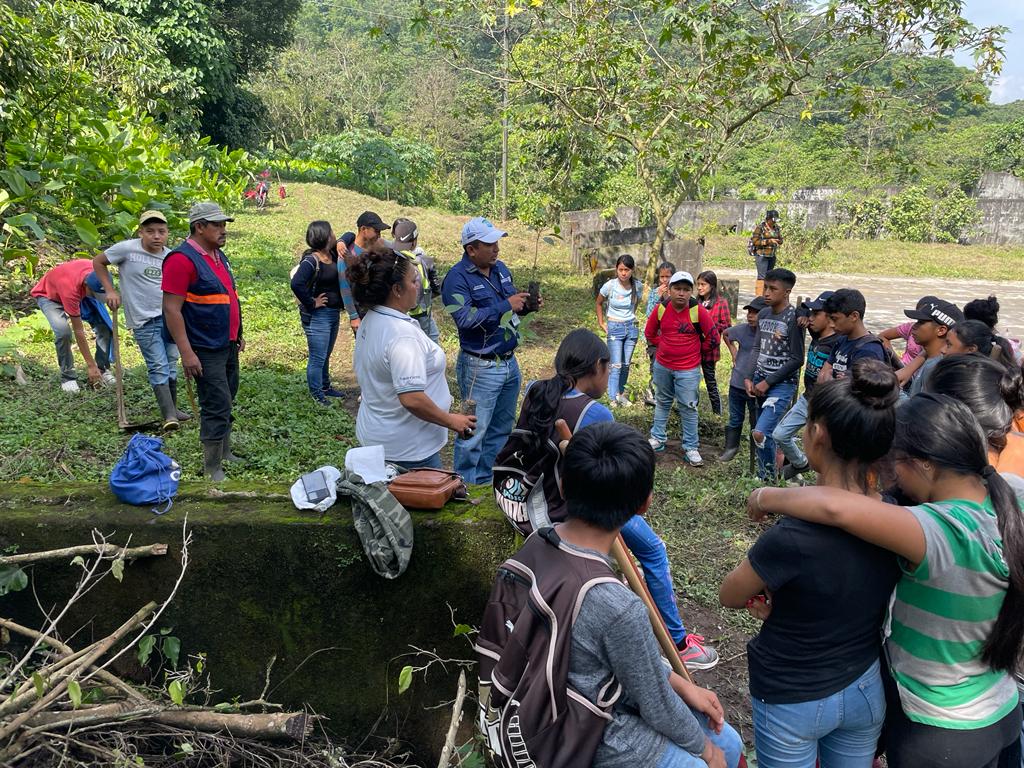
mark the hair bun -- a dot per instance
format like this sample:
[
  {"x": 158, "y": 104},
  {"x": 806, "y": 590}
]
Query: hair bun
[
  {"x": 874, "y": 384},
  {"x": 1011, "y": 387}
]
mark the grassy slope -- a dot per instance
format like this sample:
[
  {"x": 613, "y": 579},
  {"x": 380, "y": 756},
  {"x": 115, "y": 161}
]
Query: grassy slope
[{"x": 47, "y": 436}]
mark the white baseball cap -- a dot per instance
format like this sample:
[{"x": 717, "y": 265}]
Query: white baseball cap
[{"x": 681, "y": 277}]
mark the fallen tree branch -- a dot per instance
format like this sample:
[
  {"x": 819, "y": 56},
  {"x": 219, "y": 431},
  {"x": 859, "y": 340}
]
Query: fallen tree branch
[
  {"x": 111, "y": 550},
  {"x": 453, "y": 726},
  {"x": 8, "y": 729},
  {"x": 69, "y": 655}
]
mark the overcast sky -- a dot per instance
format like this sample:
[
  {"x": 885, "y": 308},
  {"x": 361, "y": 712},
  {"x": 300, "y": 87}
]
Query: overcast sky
[{"x": 1008, "y": 13}]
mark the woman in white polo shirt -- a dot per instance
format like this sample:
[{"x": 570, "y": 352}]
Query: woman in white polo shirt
[{"x": 401, "y": 372}]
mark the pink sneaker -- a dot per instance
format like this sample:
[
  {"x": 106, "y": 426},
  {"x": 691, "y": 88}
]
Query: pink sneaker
[{"x": 696, "y": 655}]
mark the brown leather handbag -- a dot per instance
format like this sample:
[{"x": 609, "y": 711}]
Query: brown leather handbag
[{"x": 427, "y": 488}]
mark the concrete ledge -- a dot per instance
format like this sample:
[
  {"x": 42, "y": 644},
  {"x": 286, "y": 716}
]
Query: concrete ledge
[{"x": 265, "y": 580}]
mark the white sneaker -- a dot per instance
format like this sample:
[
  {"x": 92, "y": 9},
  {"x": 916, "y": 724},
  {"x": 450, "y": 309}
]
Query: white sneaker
[
  {"x": 656, "y": 444},
  {"x": 693, "y": 458},
  {"x": 623, "y": 400},
  {"x": 71, "y": 387},
  {"x": 108, "y": 378}
]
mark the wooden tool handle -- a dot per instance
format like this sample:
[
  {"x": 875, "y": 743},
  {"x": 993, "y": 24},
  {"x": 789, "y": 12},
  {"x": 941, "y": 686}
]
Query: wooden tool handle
[{"x": 668, "y": 646}]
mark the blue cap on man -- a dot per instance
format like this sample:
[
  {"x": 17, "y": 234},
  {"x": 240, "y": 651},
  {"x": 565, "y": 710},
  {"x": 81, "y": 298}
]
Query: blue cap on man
[{"x": 480, "y": 229}]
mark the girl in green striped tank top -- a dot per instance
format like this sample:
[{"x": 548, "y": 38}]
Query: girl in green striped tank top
[{"x": 955, "y": 630}]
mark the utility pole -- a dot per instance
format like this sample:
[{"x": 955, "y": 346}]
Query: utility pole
[{"x": 504, "y": 119}]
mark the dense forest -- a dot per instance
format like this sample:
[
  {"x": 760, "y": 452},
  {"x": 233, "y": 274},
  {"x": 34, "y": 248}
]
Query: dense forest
[{"x": 108, "y": 107}]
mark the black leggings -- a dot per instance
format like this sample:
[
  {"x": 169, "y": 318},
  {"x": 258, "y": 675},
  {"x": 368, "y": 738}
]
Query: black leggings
[
  {"x": 915, "y": 745},
  {"x": 708, "y": 366}
]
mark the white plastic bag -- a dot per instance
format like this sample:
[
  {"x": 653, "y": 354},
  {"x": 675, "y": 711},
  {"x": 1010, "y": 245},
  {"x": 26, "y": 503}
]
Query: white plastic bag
[{"x": 331, "y": 475}]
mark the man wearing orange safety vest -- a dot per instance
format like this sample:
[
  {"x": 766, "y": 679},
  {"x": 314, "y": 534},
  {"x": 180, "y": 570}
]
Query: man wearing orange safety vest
[{"x": 202, "y": 316}]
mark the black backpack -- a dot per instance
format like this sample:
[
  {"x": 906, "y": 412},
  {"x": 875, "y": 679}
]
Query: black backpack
[
  {"x": 526, "y": 479},
  {"x": 529, "y": 713},
  {"x": 891, "y": 358}
]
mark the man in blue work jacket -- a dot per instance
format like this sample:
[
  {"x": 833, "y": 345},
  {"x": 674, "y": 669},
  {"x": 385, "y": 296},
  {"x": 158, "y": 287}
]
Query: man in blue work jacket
[{"x": 487, "y": 317}]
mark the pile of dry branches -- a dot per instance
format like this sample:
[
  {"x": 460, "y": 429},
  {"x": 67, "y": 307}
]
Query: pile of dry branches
[{"x": 46, "y": 718}]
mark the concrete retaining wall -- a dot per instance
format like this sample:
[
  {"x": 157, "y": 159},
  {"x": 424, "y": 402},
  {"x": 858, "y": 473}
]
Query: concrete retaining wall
[{"x": 265, "y": 580}]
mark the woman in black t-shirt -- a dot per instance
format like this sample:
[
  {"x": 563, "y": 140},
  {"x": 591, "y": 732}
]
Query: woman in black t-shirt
[
  {"x": 815, "y": 682},
  {"x": 315, "y": 285}
]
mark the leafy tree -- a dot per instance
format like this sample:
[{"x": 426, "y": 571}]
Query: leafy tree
[
  {"x": 1005, "y": 152},
  {"x": 215, "y": 45},
  {"x": 679, "y": 85}
]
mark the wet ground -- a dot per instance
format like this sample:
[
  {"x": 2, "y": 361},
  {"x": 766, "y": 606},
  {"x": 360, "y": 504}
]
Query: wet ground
[{"x": 887, "y": 297}]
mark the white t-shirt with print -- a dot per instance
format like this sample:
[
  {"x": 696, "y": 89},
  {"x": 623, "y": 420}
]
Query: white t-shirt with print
[
  {"x": 139, "y": 273},
  {"x": 394, "y": 356}
]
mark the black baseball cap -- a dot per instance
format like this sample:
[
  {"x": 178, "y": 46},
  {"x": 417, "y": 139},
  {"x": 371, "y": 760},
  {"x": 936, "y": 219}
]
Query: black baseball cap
[
  {"x": 937, "y": 311},
  {"x": 819, "y": 303},
  {"x": 371, "y": 219},
  {"x": 757, "y": 304}
]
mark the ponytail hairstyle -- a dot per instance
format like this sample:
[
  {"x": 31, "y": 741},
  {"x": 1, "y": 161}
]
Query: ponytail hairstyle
[
  {"x": 578, "y": 354},
  {"x": 711, "y": 279},
  {"x": 943, "y": 431},
  {"x": 373, "y": 273},
  {"x": 992, "y": 392},
  {"x": 859, "y": 412},
  {"x": 627, "y": 261}
]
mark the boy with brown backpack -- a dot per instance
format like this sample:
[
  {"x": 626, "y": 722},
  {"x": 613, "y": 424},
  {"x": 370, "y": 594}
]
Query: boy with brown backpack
[{"x": 604, "y": 696}]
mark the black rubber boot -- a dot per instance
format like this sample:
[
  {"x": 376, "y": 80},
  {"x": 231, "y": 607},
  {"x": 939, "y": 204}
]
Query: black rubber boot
[
  {"x": 732, "y": 443},
  {"x": 167, "y": 410},
  {"x": 182, "y": 415},
  {"x": 226, "y": 453},
  {"x": 212, "y": 454}
]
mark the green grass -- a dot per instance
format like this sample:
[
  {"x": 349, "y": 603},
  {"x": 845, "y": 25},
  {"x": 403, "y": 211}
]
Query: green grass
[{"x": 883, "y": 257}]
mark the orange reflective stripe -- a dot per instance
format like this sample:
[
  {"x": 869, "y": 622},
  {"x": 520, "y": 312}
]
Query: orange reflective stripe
[{"x": 210, "y": 298}]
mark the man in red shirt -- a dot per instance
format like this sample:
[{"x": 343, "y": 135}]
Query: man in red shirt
[
  {"x": 680, "y": 330},
  {"x": 66, "y": 298},
  {"x": 202, "y": 316}
]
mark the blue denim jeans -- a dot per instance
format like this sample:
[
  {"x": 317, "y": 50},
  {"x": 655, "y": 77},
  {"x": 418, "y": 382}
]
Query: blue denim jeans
[
  {"x": 622, "y": 338},
  {"x": 771, "y": 408},
  {"x": 431, "y": 462},
  {"x": 321, "y": 333},
  {"x": 649, "y": 549},
  {"x": 728, "y": 741},
  {"x": 494, "y": 385},
  {"x": 63, "y": 337},
  {"x": 161, "y": 356},
  {"x": 426, "y": 321},
  {"x": 785, "y": 434},
  {"x": 740, "y": 403},
  {"x": 841, "y": 730},
  {"x": 681, "y": 386}
]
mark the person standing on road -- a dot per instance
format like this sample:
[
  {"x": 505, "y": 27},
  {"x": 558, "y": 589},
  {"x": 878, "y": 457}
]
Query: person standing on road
[
  {"x": 203, "y": 317},
  {"x": 764, "y": 247},
  {"x": 488, "y": 374},
  {"x": 68, "y": 294},
  {"x": 139, "y": 263}
]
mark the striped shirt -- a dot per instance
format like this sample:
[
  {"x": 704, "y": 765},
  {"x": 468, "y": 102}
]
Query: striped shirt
[{"x": 942, "y": 613}]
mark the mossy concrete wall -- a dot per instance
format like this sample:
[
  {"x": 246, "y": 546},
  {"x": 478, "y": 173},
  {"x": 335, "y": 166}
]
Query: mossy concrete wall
[{"x": 264, "y": 580}]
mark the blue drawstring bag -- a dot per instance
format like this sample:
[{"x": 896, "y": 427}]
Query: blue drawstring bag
[{"x": 145, "y": 475}]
